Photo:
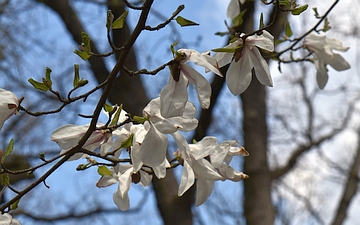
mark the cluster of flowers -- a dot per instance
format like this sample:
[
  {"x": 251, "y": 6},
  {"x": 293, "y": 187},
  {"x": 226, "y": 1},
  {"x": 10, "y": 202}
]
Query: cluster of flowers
[{"x": 206, "y": 160}]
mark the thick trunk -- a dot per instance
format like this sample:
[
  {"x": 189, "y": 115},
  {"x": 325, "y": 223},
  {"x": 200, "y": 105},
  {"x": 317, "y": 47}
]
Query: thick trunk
[{"x": 258, "y": 206}]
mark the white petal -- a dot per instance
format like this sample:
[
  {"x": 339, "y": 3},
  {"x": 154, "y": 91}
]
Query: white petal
[
  {"x": 8, "y": 105},
  {"x": 261, "y": 67},
  {"x": 203, "y": 87},
  {"x": 173, "y": 98},
  {"x": 203, "y": 169},
  {"x": 160, "y": 171},
  {"x": 125, "y": 181},
  {"x": 123, "y": 203},
  {"x": 238, "y": 76},
  {"x": 153, "y": 148},
  {"x": 264, "y": 41},
  {"x": 106, "y": 181},
  {"x": 187, "y": 179},
  {"x": 204, "y": 147},
  {"x": 338, "y": 63},
  {"x": 145, "y": 178},
  {"x": 321, "y": 74},
  {"x": 203, "y": 190},
  {"x": 233, "y": 9},
  {"x": 230, "y": 174}
]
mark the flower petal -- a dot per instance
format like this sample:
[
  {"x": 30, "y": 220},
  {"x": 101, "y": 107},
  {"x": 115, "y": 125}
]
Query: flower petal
[
  {"x": 123, "y": 203},
  {"x": 338, "y": 63},
  {"x": 261, "y": 67},
  {"x": 153, "y": 148},
  {"x": 203, "y": 190},
  {"x": 264, "y": 41},
  {"x": 233, "y": 9},
  {"x": 203, "y": 87},
  {"x": 187, "y": 179},
  {"x": 173, "y": 98},
  {"x": 8, "y": 105},
  {"x": 238, "y": 76}
]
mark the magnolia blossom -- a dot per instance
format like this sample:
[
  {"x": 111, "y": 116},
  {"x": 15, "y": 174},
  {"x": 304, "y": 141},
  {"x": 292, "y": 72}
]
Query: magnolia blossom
[
  {"x": 8, "y": 105},
  {"x": 206, "y": 171},
  {"x": 125, "y": 175},
  {"x": 234, "y": 8},
  {"x": 6, "y": 219},
  {"x": 323, "y": 47},
  {"x": 248, "y": 57},
  {"x": 69, "y": 135},
  {"x": 174, "y": 95}
]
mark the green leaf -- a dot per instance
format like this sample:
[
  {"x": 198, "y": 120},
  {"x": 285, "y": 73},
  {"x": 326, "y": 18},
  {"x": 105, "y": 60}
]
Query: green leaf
[
  {"x": 47, "y": 81},
  {"x": 15, "y": 204},
  {"x": 316, "y": 12},
  {"x": 108, "y": 108},
  {"x": 284, "y": 3},
  {"x": 299, "y": 10},
  {"x": 104, "y": 171},
  {"x": 82, "y": 82},
  {"x": 128, "y": 142},
  {"x": 9, "y": 149},
  {"x": 4, "y": 179},
  {"x": 238, "y": 20},
  {"x": 185, "y": 22},
  {"x": 261, "y": 25},
  {"x": 86, "y": 41},
  {"x": 76, "y": 75},
  {"x": 120, "y": 21},
  {"x": 140, "y": 119},
  {"x": 172, "y": 47},
  {"x": 228, "y": 50},
  {"x": 116, "y": 116},
  {"x": 82, "y": 54},
  {"x": 288, "y": 31},
  {"x": 326, "y": 25},
  {"x": 38, "y": 85},
  {"x": 221, "y": 34}
]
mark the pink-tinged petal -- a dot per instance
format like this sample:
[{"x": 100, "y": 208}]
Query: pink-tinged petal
[
  {"x": 123, "y": 203},
  {"x": 233, "y": 9},
  {"x": 187, "y": 179},
  {"x": 203, "y": 87},
  {"x": 203, "y": 190},
  {"x": 338, "y": 63},
  {"x": 238, "y": 76},
  {"x": 182, "y": 144},
  {"x": 68, "y": 136},
  {"x": 203, "y": 60},
  {"x": 261, "y": 67},
  {"x": 264, "y": 41},
  {"x": 8, "y": 105},
  {"x": 153, "y": 148},
  {"x": 173, "y": 98},
  {"x": 230, "y": 174}
]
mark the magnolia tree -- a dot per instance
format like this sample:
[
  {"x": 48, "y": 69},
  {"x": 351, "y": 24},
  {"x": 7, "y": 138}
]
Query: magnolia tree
[{"x": 132, "y": 148}]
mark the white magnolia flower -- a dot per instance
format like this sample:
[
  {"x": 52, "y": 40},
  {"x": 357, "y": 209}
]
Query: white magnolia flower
[
  {"x": 206, "y": 171},
  {"x": 69, "y": 135},
  {"x": 6, "y": 219},
  {"x": 148, "y": 146},
  {"x": 174, "y": 95},
  {"x": 238, "y": 76},
  {"x": 195, "y": 167},
  {"x": 125, "y": 175},
  {"x": 185, "y": 121},
  {"x": 323, "y": 47},
  {"x": 234, "y": 8},
  {"x": 8, "y": 105}
]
